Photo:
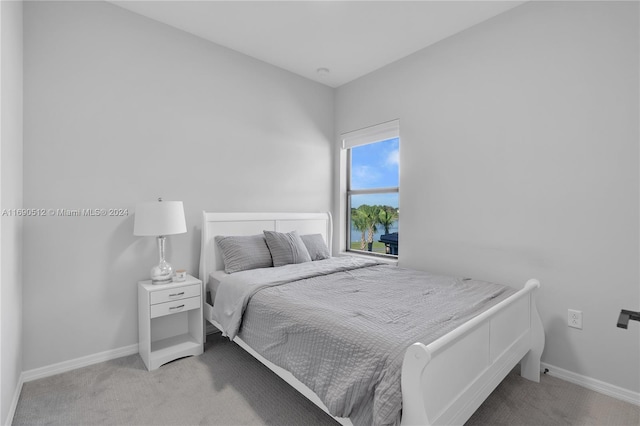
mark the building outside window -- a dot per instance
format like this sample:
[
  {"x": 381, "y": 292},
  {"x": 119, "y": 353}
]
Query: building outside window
[{"x": 373, "y": 213}]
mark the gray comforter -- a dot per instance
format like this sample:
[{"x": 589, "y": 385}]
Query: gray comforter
[{"x": 342, "y": 325}]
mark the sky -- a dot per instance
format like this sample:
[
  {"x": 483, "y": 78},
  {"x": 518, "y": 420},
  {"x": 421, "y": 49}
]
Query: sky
[{"x": 375, "y": 165}]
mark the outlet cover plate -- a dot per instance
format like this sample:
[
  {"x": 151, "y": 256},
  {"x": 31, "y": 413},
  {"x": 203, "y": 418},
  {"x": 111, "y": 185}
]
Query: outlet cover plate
[{"x": 574, "y": 319}]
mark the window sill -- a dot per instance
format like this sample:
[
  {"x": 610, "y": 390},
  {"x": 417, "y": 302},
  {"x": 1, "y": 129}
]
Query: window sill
[{"x": 391, "y": 261}]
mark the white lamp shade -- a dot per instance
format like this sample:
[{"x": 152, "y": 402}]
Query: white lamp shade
[{"x": 159, "y": 218}]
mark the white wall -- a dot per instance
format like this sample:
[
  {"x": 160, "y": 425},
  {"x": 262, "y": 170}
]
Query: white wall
[
  {"x": 10, "y": 198},
  {"x": 120, "y": 109},
  {"x": 519, "y": 159}
]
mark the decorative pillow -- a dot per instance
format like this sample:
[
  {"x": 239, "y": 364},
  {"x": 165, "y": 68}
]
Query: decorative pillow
[
  {"x": 316, "y": 246},
  {"x": 240, "y": 253},
  {"x": 286, "y": 248}
]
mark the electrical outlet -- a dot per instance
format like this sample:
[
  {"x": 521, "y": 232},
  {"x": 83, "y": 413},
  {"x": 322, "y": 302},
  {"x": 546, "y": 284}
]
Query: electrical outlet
[{"x": 575, "y": 319}]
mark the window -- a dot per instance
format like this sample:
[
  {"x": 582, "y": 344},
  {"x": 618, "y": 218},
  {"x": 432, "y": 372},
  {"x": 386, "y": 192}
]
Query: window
[{"x": 372, "y": 189}]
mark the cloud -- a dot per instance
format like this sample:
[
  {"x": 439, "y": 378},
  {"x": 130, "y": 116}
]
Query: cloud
[
  {"x": 393, "y": 158},
  {"x": 364, "y": 176}
]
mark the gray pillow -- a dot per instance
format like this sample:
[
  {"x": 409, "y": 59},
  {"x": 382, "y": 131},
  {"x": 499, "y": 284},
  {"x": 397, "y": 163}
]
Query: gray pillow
[
  {"x": 316, "y": 246},
  {"x": 240, "y": 253},
  {"x": 286, "y": 248}
]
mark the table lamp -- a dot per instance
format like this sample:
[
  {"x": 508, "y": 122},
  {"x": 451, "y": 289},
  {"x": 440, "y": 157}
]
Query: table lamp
[{"x": 158, "y": 219}]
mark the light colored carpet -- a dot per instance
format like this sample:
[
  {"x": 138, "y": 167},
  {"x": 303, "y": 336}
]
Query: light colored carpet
[{"x": 226, "y": 386}]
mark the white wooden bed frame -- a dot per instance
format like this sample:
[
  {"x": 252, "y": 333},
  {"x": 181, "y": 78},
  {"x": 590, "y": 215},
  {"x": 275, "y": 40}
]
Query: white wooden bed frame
[{"x": 443, "y": 382}]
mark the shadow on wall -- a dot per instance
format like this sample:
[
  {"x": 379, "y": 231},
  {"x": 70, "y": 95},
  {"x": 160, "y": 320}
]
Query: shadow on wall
[{"x": 129, "y": 259}]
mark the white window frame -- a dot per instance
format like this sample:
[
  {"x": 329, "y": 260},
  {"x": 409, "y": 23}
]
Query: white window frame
[{"x": 377, "y": 133}]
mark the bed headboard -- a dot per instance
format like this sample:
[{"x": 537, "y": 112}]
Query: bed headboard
[{"x": 251, "y": 224}]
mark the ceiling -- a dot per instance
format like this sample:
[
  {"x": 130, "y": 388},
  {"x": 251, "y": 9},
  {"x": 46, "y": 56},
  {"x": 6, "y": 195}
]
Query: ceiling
[{"x": 347, "y": 38}]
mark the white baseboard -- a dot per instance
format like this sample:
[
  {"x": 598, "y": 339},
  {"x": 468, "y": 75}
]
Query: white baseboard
[
  {"x": 14, "y": 401},
  {"x": 593, "y": 384},
  {"x": 50, "y": 370}
]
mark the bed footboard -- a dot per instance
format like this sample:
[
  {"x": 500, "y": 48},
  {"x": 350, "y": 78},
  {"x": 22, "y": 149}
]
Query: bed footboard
[{"x": 446, "y": 381}]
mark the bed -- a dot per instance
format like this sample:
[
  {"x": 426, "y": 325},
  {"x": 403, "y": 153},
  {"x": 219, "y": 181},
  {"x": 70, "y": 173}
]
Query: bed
[{"x": 442, "y": 382}]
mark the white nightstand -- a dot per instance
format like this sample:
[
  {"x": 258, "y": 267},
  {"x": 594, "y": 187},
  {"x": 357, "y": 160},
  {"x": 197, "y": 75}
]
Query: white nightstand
[{"x": 169, "y": 321}]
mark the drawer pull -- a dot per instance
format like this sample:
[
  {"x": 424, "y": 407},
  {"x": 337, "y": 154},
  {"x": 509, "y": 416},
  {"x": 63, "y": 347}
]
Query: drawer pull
[
  {"x": 177, "y": 307},
  {"x": 176, "y": 294}
]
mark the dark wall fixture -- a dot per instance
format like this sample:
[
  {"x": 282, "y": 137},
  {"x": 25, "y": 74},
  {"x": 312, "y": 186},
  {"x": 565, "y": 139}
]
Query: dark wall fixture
[{"x": 625, "y": 316}]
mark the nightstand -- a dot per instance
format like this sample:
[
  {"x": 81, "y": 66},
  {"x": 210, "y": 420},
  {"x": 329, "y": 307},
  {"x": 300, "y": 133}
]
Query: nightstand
[{"x": 169, "y": 321}]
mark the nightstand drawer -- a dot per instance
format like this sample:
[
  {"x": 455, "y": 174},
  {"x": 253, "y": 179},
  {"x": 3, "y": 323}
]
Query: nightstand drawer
[
  {"x": 176, "y": 306},
  {"x": 163, "y": 296}
]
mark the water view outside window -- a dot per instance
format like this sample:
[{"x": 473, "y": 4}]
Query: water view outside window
[{"x": 373, "y": 195}]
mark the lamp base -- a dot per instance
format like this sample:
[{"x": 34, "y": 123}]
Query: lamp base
[{"x": 162, "y": 273}]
